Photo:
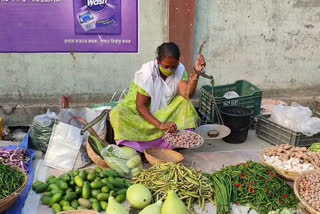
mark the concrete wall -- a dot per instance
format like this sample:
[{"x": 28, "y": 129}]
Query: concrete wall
[
  {"x": 274, "y": 44},
  {"x": 32, "y": 78}
]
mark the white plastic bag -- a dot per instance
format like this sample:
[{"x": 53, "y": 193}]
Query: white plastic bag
[
  {"x": 297, "y": 118},
  {"x": 88, "y": 115},
  {"x": 63, "y": 147},
  {"x": 231, "y": 94}
]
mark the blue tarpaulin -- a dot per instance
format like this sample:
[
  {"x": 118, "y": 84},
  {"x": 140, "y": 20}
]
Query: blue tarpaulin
[{"x": 17, "y": 207}]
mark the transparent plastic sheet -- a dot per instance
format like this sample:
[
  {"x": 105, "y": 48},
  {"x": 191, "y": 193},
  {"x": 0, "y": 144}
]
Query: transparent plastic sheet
[
  {"x": 63, "y": 147},
  {"x": 33, "y": 199},
  {"x": 117, "y": 159},
  {"x": 41, "y": 130},
  {"x": 297, "y": 118}
]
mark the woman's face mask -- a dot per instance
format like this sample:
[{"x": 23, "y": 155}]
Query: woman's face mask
[
  {"x": 167, "y": 72},
  {"x": 168, "y": 66}
]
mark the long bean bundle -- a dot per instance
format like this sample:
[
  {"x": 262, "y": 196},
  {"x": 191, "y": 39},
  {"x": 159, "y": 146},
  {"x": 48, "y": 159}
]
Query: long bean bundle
[
  {"x": 191, "y": 186},
  {"x": 259, "y": 187},
  {"x": 222, "y": 188},
  {"x": 10, "y": 180}
]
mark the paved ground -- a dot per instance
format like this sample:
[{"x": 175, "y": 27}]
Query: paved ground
[{"x": 252, "y": 143}]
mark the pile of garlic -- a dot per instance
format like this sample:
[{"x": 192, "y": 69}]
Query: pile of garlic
[
  {"x": 292, "y": 158},
  {"x": 293, "y": 164}
]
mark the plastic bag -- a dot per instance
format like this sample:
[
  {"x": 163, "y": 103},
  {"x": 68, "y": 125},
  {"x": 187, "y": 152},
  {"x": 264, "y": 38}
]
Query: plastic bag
[
  {"x": 88, "y": 115},
  {"x": 112, "y": 103},
  {"x": 124, "y": 160},
  {"x": 63, "y": 147},
  {"x": 297, "y": 118},
  {"x": 41, "y": 130},
  {"x": 231, "y": 94}
]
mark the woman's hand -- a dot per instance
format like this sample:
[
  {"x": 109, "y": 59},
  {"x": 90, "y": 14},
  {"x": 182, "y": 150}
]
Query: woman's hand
[
  {"x": 200, "y": 64},
  {"x": 168, "y": 127}
]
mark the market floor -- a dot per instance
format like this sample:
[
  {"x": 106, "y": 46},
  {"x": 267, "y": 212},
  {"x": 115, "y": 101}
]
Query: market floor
[{"x": 252, "y": 143}]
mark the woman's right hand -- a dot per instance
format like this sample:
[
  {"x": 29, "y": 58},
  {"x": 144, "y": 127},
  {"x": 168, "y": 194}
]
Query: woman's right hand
[{"x": 168, "y": 127}]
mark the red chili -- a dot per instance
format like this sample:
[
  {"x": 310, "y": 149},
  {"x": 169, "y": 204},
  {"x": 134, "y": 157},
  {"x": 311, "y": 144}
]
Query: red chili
[
  {"x": 241, "y": 175},
  {"x": 236, "y": 203},
  {"x": 253, "y": 191},
  {"x": 249, "y": 188},
  {"x": 269, "y": 172},
  {"x": 245, "y": 165},
  {"x": 284, "y": 196},
  {"x": 247, "y": 176},
  {"x": 237, "y": 185},
  {"x": 266, "y": 190}
]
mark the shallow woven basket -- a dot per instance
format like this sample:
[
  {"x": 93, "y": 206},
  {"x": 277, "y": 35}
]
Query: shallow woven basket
[
  {"x": 79, "y": 212},
  {"x": 159, "y": 156},
  {"x": 6, "y": 203},
  {"x": 95, "y": 158},
  {"x": 289, "y": 175},
  {"x": 296, "y": 191}
]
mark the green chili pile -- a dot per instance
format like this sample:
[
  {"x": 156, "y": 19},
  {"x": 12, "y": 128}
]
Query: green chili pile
[
  {"x": 10, "y": 180},
  {"x": 259, "y": 187},
  {"x": 191, "y": 186}
]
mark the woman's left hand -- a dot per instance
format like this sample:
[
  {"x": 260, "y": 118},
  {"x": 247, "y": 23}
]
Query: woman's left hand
[{"x": 200, "y": 64}]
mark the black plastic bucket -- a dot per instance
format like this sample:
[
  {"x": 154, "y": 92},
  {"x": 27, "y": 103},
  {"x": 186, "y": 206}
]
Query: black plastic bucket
[{"x": 239, "y": 120}]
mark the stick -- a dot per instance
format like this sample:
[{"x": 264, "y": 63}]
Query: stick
[{"x": 201, "y": 47}]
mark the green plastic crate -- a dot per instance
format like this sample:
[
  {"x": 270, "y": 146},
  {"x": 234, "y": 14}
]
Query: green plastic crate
[{"x": 250, "y": 97}]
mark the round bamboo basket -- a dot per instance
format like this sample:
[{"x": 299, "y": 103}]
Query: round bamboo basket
[
  {"x": 79, "y": 212},
  {"x": 289, "y": 175},
  {"x": 159, "y": 156},
  {"x": 95, "y": 158},
  {"x": 5, "y": 203},
  {"x": 296, "y": 191}
]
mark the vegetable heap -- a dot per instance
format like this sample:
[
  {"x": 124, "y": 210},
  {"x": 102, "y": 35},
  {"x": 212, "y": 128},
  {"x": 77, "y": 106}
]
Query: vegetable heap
[
  {"x": 255, "y": 185},
  {"x": 96, "y": 144},
  {"x": 222, "y": 188},
  {"x": 183, "y": 139},
  {"x": 309, "y": 190},
  {"x": 82, "y": 190},
  {"x": 124, "y": 160},
  {"x": 315, "y": 147},
  {"x": 191, "y": 186},
  {"x": 292, "y": 158},
  {"x": 18, "y": 157},
  {"x": 10, "y": 180}
]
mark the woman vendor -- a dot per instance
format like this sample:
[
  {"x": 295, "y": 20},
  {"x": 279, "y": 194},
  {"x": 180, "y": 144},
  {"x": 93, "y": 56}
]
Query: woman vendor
[{"x": 157, "y": 102}]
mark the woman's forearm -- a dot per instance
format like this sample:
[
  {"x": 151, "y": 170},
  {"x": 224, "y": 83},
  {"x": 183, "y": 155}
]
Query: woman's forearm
[
  {"x": 146, "y": 114},
  {"x": 192, "y": 84}
]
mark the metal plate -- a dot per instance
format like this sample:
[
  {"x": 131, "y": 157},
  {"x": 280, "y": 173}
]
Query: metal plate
[{"x": 224, "y": 131}]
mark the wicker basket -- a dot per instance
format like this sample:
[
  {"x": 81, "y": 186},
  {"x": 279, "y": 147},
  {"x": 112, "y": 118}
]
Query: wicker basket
[
  {"x": 79, "y": 212},
  {"x": 296, "y": 191},
  {"x": 95, "y": 158},
  {"x": 159, "y": 156},
  {"x": 289, "y": 175},
  {"x": 5, "y": 203}
]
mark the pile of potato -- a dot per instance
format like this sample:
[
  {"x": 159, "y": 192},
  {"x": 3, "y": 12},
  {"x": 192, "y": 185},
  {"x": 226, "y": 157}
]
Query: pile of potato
[
  {"x": 309, "y": 190},
  {"x": 286, "y": 152}
]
